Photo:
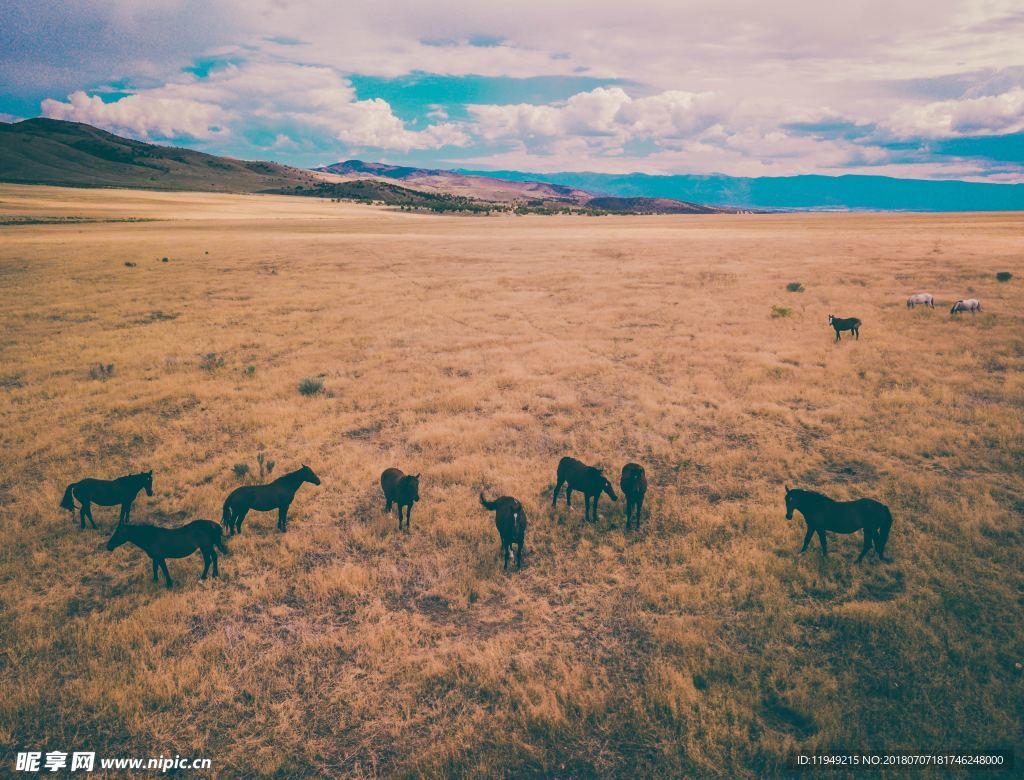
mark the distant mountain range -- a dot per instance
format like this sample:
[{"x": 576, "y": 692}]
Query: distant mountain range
[
  {"x": 520, "y": 190},
  {"x": 50, "y": 151},
  {"x": 71, "y": 154},
  {"x": 880, "y": 193}
]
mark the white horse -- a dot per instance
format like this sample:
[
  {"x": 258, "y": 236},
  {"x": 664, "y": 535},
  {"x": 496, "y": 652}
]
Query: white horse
[
  {"x": 971, "y": 304},
  {"x": 921, "y": 299}
]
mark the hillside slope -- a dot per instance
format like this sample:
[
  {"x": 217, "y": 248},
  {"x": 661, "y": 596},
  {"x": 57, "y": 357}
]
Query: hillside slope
[{"x": 50, "y": 151}]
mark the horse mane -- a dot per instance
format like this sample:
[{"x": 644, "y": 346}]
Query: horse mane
[
  {"x": 813, "y": 494},
  {"x": 290, "y": 475}
]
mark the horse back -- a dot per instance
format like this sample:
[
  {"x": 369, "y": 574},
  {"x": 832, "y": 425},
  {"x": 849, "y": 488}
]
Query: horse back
[
  {"x": 104, "y": 492},
  {"x": 390, "y": 479}
]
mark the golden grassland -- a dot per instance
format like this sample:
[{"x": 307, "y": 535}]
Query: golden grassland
[{"x": 478, "y": 351}]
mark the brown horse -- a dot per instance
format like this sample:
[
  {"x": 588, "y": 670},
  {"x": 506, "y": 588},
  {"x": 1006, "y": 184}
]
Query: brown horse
[
  {"x": 265, "y": 498},
  {"x": 840, "y": 324},
  {"x": 589, "y": 480},
  {"x": 401, "y": 489},
  {"x": 510, "y": 519},
  {"x": 634, "y": 487},
  {"x": 106, "y": 492},
  {"x": 822, "y": 514},
  {"x": 162, "y": 543}
]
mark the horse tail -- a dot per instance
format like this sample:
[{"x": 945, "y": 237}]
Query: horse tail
[
  {"x": 68, "y": 502},
  {"x": 219, "y": 543},
  {"x": 225, "y": 515},
  {"x": 882, "y": 532},
  {"x": 487, "y": 504}
]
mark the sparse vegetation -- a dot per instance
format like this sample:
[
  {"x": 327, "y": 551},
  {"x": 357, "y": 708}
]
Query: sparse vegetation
[
  {"x": 241, "y": 470},
  {"x": 1004, "y": 276},
  {"x": 479, "y": 352},
  {"x": 101, "y": 371},
  {"x": 781, "y": 311},
  {"x": 795, "y": 287},
  {"x": 129, "y": 264},
  {"x": 211, "y": 361},
  {"x": 311, "y": 386}
]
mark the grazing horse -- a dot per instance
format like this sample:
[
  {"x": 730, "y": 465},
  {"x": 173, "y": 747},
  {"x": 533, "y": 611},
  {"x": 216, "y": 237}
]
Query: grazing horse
[
  {"x": 634, "y": 487},
  {"x": 586, "y": 479},
  {"x": 510, "y": 518},
  {"x": 921, "y": 299},
  {"x": 401, "y": 489},
  {"x": 840, "y": 324},
  {"x": 265, "y": 498},
  {"x": 106, "y": 492},
  {"x": 822, "y": 514},
  {"x": 162, "y": 543},
  {"x": 973, "y": 305}
]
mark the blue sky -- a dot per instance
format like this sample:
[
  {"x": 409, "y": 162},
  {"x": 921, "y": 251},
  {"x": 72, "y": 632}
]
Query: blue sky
[{"x": 912, "y": 89}]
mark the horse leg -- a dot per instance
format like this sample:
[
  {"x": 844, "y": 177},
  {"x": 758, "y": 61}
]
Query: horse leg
[
  {"x": 399, "y": 517},
  {"x": 568, "y": 496},
  {"x": 155, "y": 576},
  {"x": 239, "y": 517},
  {"x": 594, "y": 510},
  {"x": 639, "y": 509},
  {"x": 586, "y": 507},
  {"x": 856, "y": 332},
  {"x": 869, "y": 537},
  {"x": 554, "y": 496},
  {"x": 519, "y": 555},
  {"x": 408, "y": 516},
  {"x": 504, "y": 549},
  {"x": 282, "y": 518},
  {"x": 126, "y": 510},
  {"x": 167, "y": 574},
  {"x": 81, "y": 516},
  {"x": 387, "y": 509},
  {"x": 824, "y": 545},
  {"x": 206, "y": 562},
  {"x": 807, "y": 539},
  {"x": 629, "y": 511}
]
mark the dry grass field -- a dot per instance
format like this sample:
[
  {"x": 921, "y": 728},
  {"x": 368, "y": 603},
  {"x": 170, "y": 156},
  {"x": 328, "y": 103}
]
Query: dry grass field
[{"x": 478, "y": 351}]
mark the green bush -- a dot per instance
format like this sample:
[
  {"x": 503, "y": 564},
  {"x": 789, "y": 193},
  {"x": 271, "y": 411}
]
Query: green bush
[
  {"x": 241, "y": 470},
  {"x": 781, "y": 311},
  {"x": 311, "y": 386},
  {"x": 1004, "y": 276},
  {"x": 795, "y": 287}
]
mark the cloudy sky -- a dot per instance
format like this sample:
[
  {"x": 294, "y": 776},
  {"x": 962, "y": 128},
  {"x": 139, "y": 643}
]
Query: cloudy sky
[{"x": 909, "y": 88}]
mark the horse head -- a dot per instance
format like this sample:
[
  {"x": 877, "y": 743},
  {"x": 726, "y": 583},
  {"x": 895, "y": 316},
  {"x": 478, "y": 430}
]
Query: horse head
[
  {"x": 413, "y": 486},
  {"x": 790, "y": 503},
  {"x": 308, "y": 476},
  {"x": 606, "y": 487},
  {"x": 830, "y": 319},
  {"x": 120, "y": 537},
  {"x": 147, "y": 482}
]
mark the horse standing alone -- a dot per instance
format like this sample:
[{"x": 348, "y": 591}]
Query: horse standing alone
[
  {"x": 844, "y": 323},
  {"x": 510, "y": 519},
  {"x": 162, "y": 543},
  {"x": 106, "y": 492},
  {"x": 401, "y": 489},
  {"x": 822, "y": 514},
  {"x": 265, "y": 498}
]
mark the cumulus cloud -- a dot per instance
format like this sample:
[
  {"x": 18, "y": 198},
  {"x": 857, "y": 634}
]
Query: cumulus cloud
[
  {"x": 987, "y": 115},
  {"x": 275, "y": 94}
]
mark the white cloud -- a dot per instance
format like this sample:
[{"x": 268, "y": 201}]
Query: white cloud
[
  {"x": 142, "y": 116},
  {"x": 286, "y": 95},
  {"x": 988, "y": 115}
]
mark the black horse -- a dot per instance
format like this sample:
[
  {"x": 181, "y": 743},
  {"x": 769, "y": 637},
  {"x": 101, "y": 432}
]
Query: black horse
[
  {"x": 106, "y": 492},
  {"x": 162, "y": 543},
  {"x": 510, "y": 519},
  {"x": 401, "y": 489},
  {"x": 586, "y": 479},
  {"x": 823, "y": 514},
  {"x": 634, "y": 487},
  {"x": 840, "y": 324},
  {"x": 265, "y": 498}
]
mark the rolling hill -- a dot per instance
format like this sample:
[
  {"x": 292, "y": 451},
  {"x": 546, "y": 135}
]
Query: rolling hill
[{"x": 71, "y": 154}]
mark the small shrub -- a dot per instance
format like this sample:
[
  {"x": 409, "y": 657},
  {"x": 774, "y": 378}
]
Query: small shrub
[
  {"x": 311, "y": 386},
  {"x": 795, "y": 287},
  {"x": 266, "y": 465},
  {"x": 241, "y": 470},
  {"x": 250, "y": 370},
  {"x": 101, "y": 371},
  {"x": 781, "y": 311},
  {"x": 211, "y": 361},
  {"x": 165, "y": 259},
  {"x": 1004, "y": 276},
  {"x": 129, "y": 264}
]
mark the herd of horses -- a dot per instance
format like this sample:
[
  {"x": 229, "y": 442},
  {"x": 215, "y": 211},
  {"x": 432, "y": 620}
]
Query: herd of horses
[
  {"x": 820, "y": 512},
  {"x": 852, "y": 324}
]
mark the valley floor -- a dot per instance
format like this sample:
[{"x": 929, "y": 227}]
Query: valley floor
[{"x": 478, "y": 351}]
